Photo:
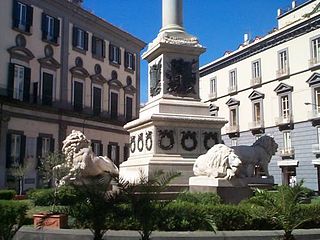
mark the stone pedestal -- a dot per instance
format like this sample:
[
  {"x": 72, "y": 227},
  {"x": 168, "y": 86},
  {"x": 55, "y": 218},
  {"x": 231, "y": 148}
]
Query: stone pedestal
[
  {"x": 174, "y": 127},
  {"x": 233, "y": 191}
]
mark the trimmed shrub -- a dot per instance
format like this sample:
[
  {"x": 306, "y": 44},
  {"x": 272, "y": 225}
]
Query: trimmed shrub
[
  {"x": 12, "y": 215},
  {"x": 66, "y": 195},
  {"x": 200, "y": 198},
  {"x": 7, "y": 194},
  {"x": 42, "y": 197}
]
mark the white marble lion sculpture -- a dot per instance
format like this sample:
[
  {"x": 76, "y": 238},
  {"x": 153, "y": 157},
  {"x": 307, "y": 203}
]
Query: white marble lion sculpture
[
  {"x": 258, "y": 154},
  {"x": 219, "y": 162},
  {"x": 81, "y": 161}
]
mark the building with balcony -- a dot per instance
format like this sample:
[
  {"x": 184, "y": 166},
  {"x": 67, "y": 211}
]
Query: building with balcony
[
  {"x": 271, "y": 85},
  {"x": 63, "y": 68}
]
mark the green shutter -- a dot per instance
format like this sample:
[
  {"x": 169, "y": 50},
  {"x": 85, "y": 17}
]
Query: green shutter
[
  {"x": 111, "y": 57},
  {"x": 118, "y": 156},
  {"x": 74, "y": 36},
  {"x": 109, "y": 151},
  {"x": 26, "y": 86},
  {"x": 101, "y": 149},
  {"x": 39, "y": 150},
  {"x": 119, "y": 55},
  {"x": 103, "y": 48},
  {"x": 15, "y": 14},
  {"x": 133, "y": 62},
  {"x": 86, "y": 40},
  {"x": 29, "y": 18},
  {"x": 44, "y": 26},
  {"x": 10, "y": 87},
  {"x": 56, "y": 32},
  {"x": 52, "y": 145},
  {"x": 126, "y": 59},
  {"x": 22, "y": 149},
  {"x": 94, "y": 45},
  {"x": 8, "y": 151}
]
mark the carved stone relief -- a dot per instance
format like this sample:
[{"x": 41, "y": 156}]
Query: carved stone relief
[
  {"x": 155, "y": 78},
  {"x": 140, "y": 142},
  {"x": 166, "y": 139},
  {"x": 189, "y": 140},
  {"x": 210, "y": 139},
  {"x": 133, "y": 144},
  {"x": 149, "y": 142}
]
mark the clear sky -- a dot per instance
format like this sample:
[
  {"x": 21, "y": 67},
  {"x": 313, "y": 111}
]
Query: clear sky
[{"x": 219, "y": 24}]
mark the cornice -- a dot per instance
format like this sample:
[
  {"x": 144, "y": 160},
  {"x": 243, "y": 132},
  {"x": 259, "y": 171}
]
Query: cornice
[{"x": 270, "y": 42}]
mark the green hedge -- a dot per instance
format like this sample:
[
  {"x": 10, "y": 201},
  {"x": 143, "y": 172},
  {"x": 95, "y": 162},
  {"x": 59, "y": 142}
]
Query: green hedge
[
  {"x": 200, "y": 198},
  {"x": 45, "y": 197},
  {"x": 12, "y": 216},
  {"x": 7, "y": 194}
]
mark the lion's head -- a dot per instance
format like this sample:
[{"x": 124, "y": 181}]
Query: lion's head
[
  {"x": 74, "y": 142},
  {"x": 267, "y": 143}
]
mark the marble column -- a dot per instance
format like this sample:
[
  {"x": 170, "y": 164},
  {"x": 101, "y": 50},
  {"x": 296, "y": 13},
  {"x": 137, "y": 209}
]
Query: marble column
[{"x": 172, "y": 16}]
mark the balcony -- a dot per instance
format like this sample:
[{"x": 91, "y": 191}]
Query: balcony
[
  {"x": 282, "y": 73},
  {"x": 232, "y": 129},
  {"x": 255, "y": 81},
  {"x": 314, "y": 62},
  {"x": 256, "y": 124},
  {"x": 287, "y": 152},
  {"x": 232, "y": 89},
  {"x": 316, "y": 148},
  {"x": 212, "y": 95},
  {"x": 284, "y": 120},
  {"x": 314, "y": 114}
]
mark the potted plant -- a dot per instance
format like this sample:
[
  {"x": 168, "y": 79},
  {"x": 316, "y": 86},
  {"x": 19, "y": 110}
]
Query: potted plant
[{"x": 53, "y": 218}]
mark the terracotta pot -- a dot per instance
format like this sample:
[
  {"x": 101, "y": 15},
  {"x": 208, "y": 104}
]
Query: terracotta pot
[
  {"x": 47, "y": 220},
  {"x": 20, "y": 197}
]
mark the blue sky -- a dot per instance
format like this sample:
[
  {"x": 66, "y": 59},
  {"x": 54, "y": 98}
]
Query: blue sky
[{"x": 219, "y": 24}]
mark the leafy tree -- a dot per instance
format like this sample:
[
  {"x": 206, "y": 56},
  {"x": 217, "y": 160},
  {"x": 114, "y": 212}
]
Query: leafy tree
[{"x": 283, "y": 207}]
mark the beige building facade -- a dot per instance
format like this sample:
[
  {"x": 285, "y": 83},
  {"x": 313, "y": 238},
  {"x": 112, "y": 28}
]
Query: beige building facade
[
  {"x": 63, "y": 68},
  {"x": 270, "y": 85}
]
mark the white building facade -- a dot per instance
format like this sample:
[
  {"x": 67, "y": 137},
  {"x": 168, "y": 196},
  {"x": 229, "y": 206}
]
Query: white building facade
[{"x": 271, "y": 85}]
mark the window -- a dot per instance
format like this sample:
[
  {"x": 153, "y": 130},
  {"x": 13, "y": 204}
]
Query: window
[
  {"x": 47, "y": 89},
  {"x": 22, "y": 16},
  {"x": 256, "y": 71},
  {"x": 19, "y": 82},
  {"x": 257, "y": 112},
  {"x": 96, "y": 99},
  {"x": 50, "y": 28},
  {"x": 126, "y": 150},
  {"x": 45, "y": 145},
  {"x": 97, "y": 147},
  {"x": 287, "y": 141},
  {"x": 213, "y": 87},
  {"x": 283, "y": 63},
  {"x": 78, "y": 95},
  {"x": 114, "y": 105},
  {"x": 16, "y": 145},
  {"x": 80, "y": 39},
  {"x": 129, "y": 61},
  {"x": 233, "y": 105},
  {"x": 233, "y": 117},
  {"x": 114, "y": 54},
  {"x": 285, "y": 108},
  {"x": 315, "y": 50},
  {"x": 232, "y": 81},
  {"x": 213, "y": 110},
  {"x": 318, "y": 134},
  {"x": 234, "y": 142},
  {"x": 128, "y": 108},
  {"x": 317, "y": 99},
  {"x": 113, "y": 153},
  {"x": 98, "y": 47}
]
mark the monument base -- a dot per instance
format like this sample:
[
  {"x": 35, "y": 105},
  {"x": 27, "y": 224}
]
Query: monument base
[{"x": 232, "y": 191}]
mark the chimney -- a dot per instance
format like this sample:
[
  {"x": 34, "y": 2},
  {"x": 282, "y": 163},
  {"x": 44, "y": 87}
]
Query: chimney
[
  {"x": 279, "y": 12},
  {"x": 246, "y": 39},
  {"x": 293, "y": 4}
]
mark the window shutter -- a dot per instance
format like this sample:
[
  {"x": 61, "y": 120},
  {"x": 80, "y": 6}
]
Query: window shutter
[
  {"x": 126, "y": 59},
  {"x": 86, "y": 40},
  {"x": 74, "y": 36},
  {"x": 52, "y": 145},
  {"x": 15, "y": 14},
  {"x": 111, "y": 57},
  {"x": 10, "y": 80},
  {"x": 92, "y": 146},
  {"x": 103, "y": 48},
  {"x": 8, "y": 151},
  {"x": 119, "y": 55},
  {"x": 22, "y": 149},
  {"x": 44, "y": 26},
  {"x": 26, "y": 87},
  {"x": 118, "y": 156},
  {"x": 109, "y": 151},
  {"x": 101, "y": 149},
  {"x": 29, "y": 18},
  {"x": 133, "y": 62},
  {"x": 56, "y": 30},
  {"x": 94, "y": 45},
  {"x": 39, "y": 150}
]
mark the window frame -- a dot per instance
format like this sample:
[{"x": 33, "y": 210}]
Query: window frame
[
  {"x": 314, "y": 57},
  {"x": 94, "y": 85},
  {"x": 18, "y": 86},
  {"x": 73, "y": 92},
  {"x": 256, "y": 71},
  {"x": 110, "y": 104},
  {"x": 53, "y": 73},
  {"x": 233, "y": 80},
  {"x": 287, "y": 140},
  {"x": 213, "y": 86},
  {"x": 283, "y": 66}
]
